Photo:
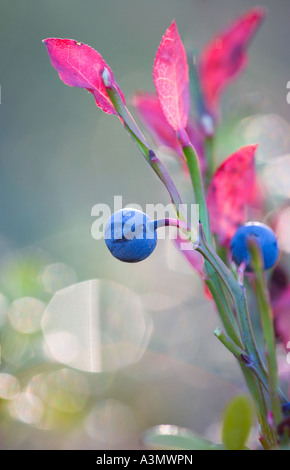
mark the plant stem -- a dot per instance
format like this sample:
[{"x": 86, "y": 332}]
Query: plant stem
[
  {"x": 212, "y": 282},
  {"x": 195, "y": 174},
  {"x": 254, "y": 382},
  {"x": 137, "y": 136},
  {"x": 260, "y": 404},
  {"x": 237, "y": 293},
  {"x": 238, "y": 352},
  {"x": 224, "y": 311},
  {"x": 265, "y": 443},
  {"x": 168, "y": 222},
  {"x": 213, "y": 262},
  {"x": 266, "y": 316}
]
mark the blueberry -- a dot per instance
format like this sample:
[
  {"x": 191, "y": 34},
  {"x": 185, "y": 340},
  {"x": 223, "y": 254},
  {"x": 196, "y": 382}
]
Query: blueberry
[
  {"x": 266, "y": 239},
  {"x": 130, "y": 235}
]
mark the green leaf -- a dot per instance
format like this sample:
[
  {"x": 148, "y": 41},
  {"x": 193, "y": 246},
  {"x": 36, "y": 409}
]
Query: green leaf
[
  {"x": 167, "y": 436},
  {"x": 237, "y": 422}
]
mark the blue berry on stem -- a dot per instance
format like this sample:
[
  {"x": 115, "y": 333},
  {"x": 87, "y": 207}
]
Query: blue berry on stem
[
  {"x": 130, "y": 235},
  {"x": 264, "y": 236}
]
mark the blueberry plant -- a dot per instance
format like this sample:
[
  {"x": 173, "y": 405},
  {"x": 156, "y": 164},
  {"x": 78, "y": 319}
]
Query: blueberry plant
[{"x": 232, "y": 254}]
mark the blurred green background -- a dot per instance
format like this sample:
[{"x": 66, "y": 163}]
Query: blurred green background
[{"x": 60, "y": 155}]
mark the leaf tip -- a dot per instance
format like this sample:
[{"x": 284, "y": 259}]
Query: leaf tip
[
  {"x": 173, "y": 30},
  {"x": 173, "y": 24},
  {"x": 50, "y": 42},
  {"x": 260, "y": 12},
  {"x": 253, "y": 148},
  {"x": 47, "y": 41}
]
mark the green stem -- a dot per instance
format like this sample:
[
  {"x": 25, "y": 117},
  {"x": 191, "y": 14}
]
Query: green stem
[
  {"x": 268, "y": 329},
  {"x": 224, "y": 310},
  {"x": 212, "y": 281},
  {"x": 237, "y": 293},
  {"x": 254, "y": 382},
  {"x": 195, "y": 174},
  {"x": 260, "y": 404},
  {"x": 265, "y": 443},
  {"x": 238, "y": 352},
  {"x": 227, "y": 319}
]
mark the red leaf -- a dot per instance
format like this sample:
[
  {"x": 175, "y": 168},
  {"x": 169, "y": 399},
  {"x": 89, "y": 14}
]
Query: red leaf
[
  {"x": 233, "y": 187},
  {"x": 81, "y": 66},
  {"x": 150, "y": 113},
  {"x": 170, "y": 76},
  {"x": 207, "y": 292},
  {"x": 225, "y": 57}
]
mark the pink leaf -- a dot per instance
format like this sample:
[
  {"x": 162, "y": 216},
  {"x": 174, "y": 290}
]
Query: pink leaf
[
  {"x": 225, "y": 57},
  {"x": 150, "y": 113},
  {"x": 232, "y": 188},
  {"x": 170, "y": 76},
  {"x": 81, "y": 66}
]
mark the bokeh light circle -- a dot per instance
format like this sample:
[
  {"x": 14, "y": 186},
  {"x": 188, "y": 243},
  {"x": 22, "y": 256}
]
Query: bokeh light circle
[
  {"x": 57, "y": 276},
  {"x": 9, "y": 386},
  {"x": 25, "y": 314},
  {"x": 96, "y": 326}
]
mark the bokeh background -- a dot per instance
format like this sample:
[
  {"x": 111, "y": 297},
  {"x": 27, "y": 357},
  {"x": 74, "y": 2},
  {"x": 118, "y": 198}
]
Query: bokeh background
[{"x": 139, "y": 337}]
